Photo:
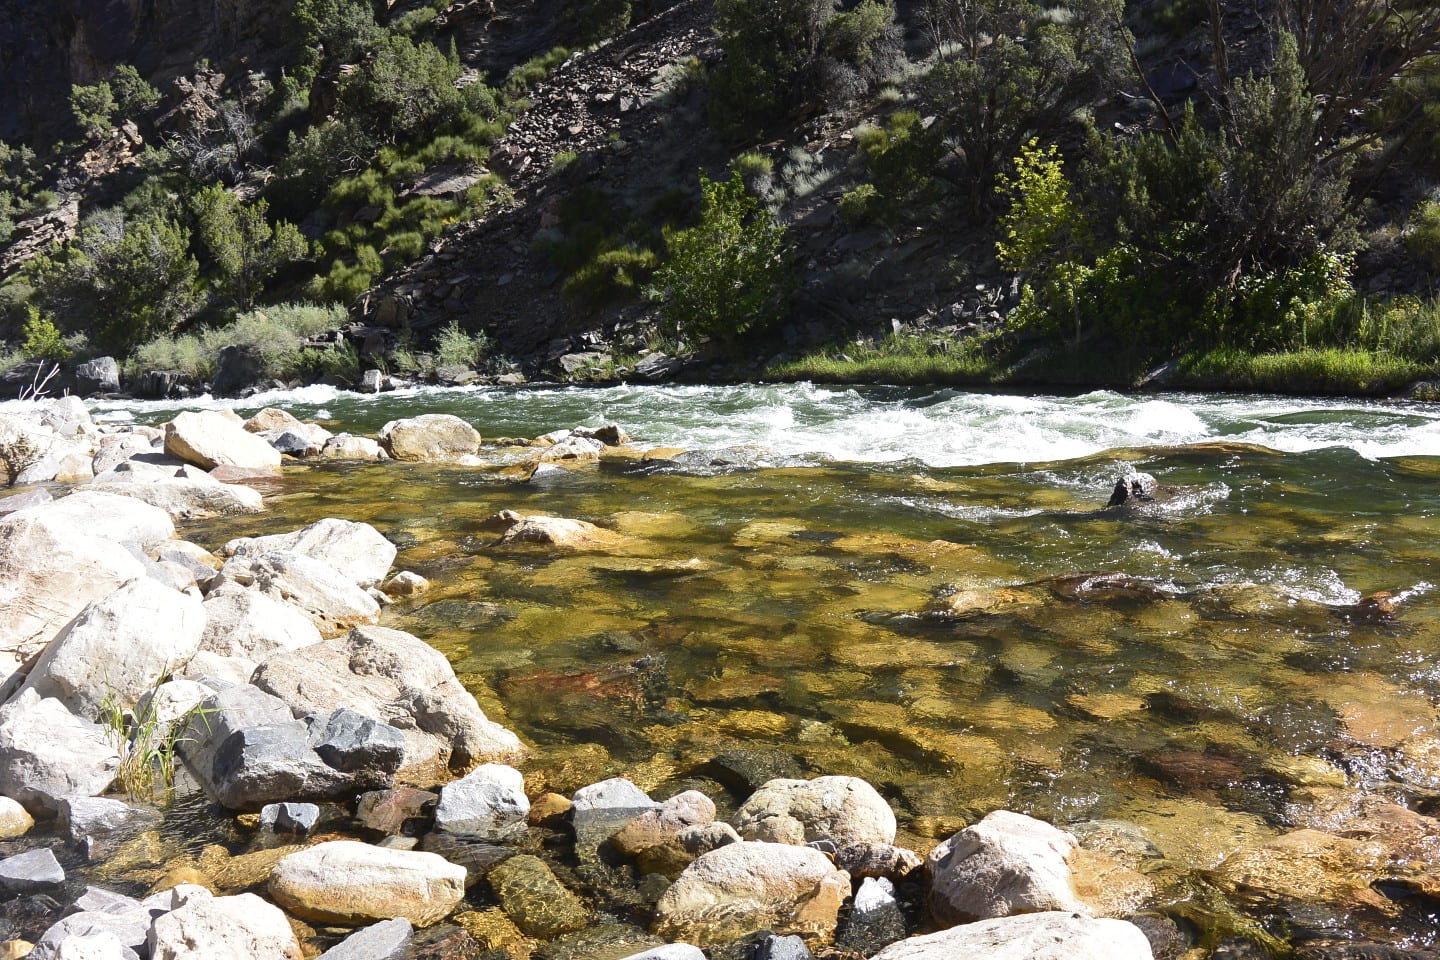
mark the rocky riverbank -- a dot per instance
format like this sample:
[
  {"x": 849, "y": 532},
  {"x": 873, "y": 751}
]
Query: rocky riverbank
[{"x": 365, "y": 805}]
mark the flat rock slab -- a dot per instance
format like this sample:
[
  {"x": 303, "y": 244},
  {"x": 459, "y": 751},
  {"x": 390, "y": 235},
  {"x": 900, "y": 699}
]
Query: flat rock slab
[
  {"x": 28, "y": 872},
  {"x": 386, "y": 940},
  {"x": 1053, "y": 935}
]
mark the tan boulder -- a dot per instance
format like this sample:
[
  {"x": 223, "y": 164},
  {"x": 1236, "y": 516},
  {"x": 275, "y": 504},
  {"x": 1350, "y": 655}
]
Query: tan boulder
[
  {"x": 209, "y": 438},
  {"x": 429, "y": 438},
  {"x": 345, "y": 881}
]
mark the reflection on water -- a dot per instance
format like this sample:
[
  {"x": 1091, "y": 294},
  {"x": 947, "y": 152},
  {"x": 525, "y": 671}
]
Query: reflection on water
[{"x": 919, "y": 626}]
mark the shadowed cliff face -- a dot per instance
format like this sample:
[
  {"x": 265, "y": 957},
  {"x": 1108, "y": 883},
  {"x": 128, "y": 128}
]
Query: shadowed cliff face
[{"x": 48, "y": 45}]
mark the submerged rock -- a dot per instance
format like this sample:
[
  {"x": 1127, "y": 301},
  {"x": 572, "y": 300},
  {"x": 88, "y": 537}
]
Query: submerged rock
[
  {"x": 344, "y": 881},
  {"x": 601, "y": 810},
  {"x": 747, "y": 887},
  {"x": 1037, "y": 936},
  {"x": 1006, "y": 864},
  {"x": 556, "y": 532},
  {"x": 839, "y": 809},
  {"x": 533, "y": 898}
]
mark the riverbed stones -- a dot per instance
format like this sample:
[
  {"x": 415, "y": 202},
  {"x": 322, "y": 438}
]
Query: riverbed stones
[
  {"x": 531, "y": 895},
  {"x": 344, "y": 881},
  {"x": 559, "y": 533},
  {"x": 14, "y": 820},
  {"x": 387, "y": 811},
  {"x": 1052, "y": 935},
  {"x": 330, "y": 599},
  {"x": 47, "y": 752},
  {"x": 862, "y": 860},
  {"x": 47, "y": 576},
  {"x": 290, "y": 817},
  {"x": 875, "y": 919},
  {"x": 242, "y": 927},
  {"x": 746, "y": 887},
  {"x": 601, "y": 810},
  {"x": 839, "y": 809},
  {"x": 429, "y": 438},
  {"x": 345, "y": 446},
  {"x": 208, "y": 438},
  {"x": 357, "y": 550},
  {"x": 119, "y": 648},
  {"x": 244, "y": 623},
  {"x": 94, "y": 818},
  {"x": 395, "y": 677},
  {"x": 1006, "y": 864},
  {"x": 488, "y": 803},
  {"x": 664, "y": 824},
  {"x": 406, "y": 584},
  {"x": 386, "y": 940}
]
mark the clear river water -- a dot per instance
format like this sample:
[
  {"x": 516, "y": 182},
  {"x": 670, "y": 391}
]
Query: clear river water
[{"x": 880, "y": 582}]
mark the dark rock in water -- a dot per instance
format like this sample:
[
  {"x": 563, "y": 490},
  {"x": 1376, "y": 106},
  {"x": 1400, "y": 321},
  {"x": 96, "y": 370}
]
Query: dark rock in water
[
  {"x": 1136, "y": 487},
  {"x": 370, "y": 382},
  {"x": 1301, "y": 727},
  {"x": 862, "y": 860},
  {"x": 1108, "y": 587},
  {"x": 610, "y": 434},
  {"x": 161, "y": 385},
  {"x": 368, "y": 749},
  {"x": 101, "y": 375},
  {"x": 290, "y": 817},
  {"x": 1167, "y": 940},
  {"x": 443, "y": 942},
  {"x": 31, "y": 872},
  {"x": 875, "y": 919},
  {"x": 658, "y": 366},
  {"x": 389, "y": 811},
  {"x": 744, "y": 771},
  {"x": 28, "y": 917},
  {"x": 782, "y": 948},
  {"x": 1238, "y": 948},
  {"x": 455, "y": 375},
  {"x": 237, "y": 368},
  {"x": 96, "y": 823},
  {"x": 386, "y": 940},
  {"x": 476, "y": 856},
  {"x": 1193, "y": 769},
  {"x": 535, "y": 900}
]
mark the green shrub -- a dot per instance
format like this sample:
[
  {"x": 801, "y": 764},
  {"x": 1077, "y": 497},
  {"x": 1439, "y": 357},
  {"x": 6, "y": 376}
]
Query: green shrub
[
  {"x": 93, "y": 107},
  {"x": 861, "y": 206},
  {"x": 248, "y": 251},
  {"x": 533, "y": 71},
  {"x": 132, "y": 94},
  {"x": 757, "y": 171},
  {"x": 1422, "y": 235},
  {"x": 43, "y": 340},
  {"x": 728, "y": 274},
  {"x": 609, "y": 276},
  {"x": 406, "y": 245},
  {"x": 455, "y": 347},
  {"x": 347, "y": 281},
  {"x": 563, "y": 160},
  {"x": 275, "y": 334}
]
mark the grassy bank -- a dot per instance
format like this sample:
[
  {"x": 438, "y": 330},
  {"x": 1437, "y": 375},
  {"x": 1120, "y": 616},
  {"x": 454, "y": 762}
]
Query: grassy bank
[{"x": 916, "y": 359}]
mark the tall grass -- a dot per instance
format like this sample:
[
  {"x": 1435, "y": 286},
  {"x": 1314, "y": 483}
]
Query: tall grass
[{"x": 274, "y": 333}]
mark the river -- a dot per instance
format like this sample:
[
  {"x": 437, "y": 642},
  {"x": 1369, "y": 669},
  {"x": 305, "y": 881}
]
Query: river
[{"x": 864, "y": 581}]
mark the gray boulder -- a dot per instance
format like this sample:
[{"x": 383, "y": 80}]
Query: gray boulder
[
  {"x": 331, "y": 600},
  {"x": 395, "y": 678},
  {"x": 209, "y": 438},
  {"x": 290, "y": 817},
  {"x": 839, "y": 809},
  {"x": 369, "y": 750},
  {"x": 357, "y": 550},
  {"x": 386, "y": 940},
  {"x": 601, "y": 810},
  {"x": 431, "y": 437},
  {"x": 101, "y": 375},
  {"x": 1007, "y": 863},
  {"x": 31, "y": 871},
  {"x": 118, "y": 518},
  {"x": 243, "y": 927},
  {"x": 488, "y": 803},
  {"x": 244, "y": 623},
  {"x": 46, "y": 752}
]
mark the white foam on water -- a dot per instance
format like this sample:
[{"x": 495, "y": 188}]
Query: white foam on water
[{"x": 938, "y": 428}]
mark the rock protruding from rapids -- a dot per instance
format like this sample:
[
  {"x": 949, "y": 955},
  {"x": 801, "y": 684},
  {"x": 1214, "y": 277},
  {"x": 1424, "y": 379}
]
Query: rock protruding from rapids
[
  {"x": 429, "y": 438},
  {"x": 1037, "y": 936},
  {"x": 384, "y": 673},
  {"x": 345, "y": 881},
  {"x": 747, "y": 887},
  {"x": 1006, "y": 864},
  {"x": 839, "y": 809},
  {"x": 357, "y": 550},
  {"x": 209, "y": 438}
]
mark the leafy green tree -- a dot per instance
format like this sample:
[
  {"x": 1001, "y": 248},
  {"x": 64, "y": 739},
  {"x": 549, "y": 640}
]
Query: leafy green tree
[
  {"x": 342, "y": 31},
  {"x": 785, "y": 58},
  {"x": 728, "y": 274},
  {"x": 404, "y": 91},
  {"x": 1010, "y": 70},
  {"x": 133, "y": 95},
  {"x": 248, "y": 251},
  {"x": 94, "y": 109},
  {"x": 126, "y": 280}
]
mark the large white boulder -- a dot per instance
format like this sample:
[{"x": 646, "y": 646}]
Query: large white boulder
[
  {"x": 46, "y": 752},
  {"x": 244, "y": 623},
  {"x": 431, "y": 437},
  {"x": 106, "y": 515},
  {"x": 1034, "y": 936},
  {"x": 394, "y": 677},
  {"x": 357, "y": 550},
  {"x": 208, "y": 438},
  {"x": 746, "y": 887},
  {"x": 331, "y": 600},
  {"x": 119, "y": 647},
  {"x": 840, "y": 809},
  {"x": 489, "y": 802},
  {"x": 1007, "y": 863},
  {"x": 243, "y": 927},
  {"x": 47, "y": 576},
  {"x": 188, "y": 498},
  {"x": 345, "y": 881}
]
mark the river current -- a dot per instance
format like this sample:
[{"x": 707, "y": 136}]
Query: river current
[{"x": 882, "y": 582}]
